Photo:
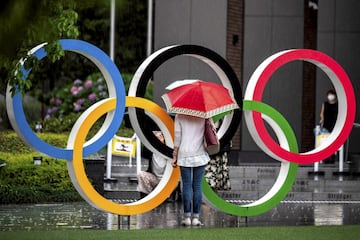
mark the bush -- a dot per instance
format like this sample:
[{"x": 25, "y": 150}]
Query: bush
[
  {"x": 4, "y": 121},
  {"x": 24, "y": 194},
  {"x": 23, "y": 182},
  {"x": 60, "y": 125},
  {"x": 76, "y": 96},
  {"x": 32, "y": 111},
  {"x": 11, "y": 143},
  {"x": 68, "y": 103},
  {"x": 64, "y": 125}
]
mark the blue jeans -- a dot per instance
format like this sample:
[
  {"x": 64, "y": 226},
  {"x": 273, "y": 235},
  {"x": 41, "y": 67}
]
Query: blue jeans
[{"x": 192, "y": 191}]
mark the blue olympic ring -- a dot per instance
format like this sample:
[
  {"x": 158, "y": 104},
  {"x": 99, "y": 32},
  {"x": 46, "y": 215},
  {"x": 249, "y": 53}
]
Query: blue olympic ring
[
  {"x": 114, "y": 118},
  {"x": 116, "y": 90}
]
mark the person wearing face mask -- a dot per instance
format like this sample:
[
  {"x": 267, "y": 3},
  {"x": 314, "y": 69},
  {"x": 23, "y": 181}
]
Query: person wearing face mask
[
  {"x": 329, "y": 111},
  {"x": 328, "y": 116}
]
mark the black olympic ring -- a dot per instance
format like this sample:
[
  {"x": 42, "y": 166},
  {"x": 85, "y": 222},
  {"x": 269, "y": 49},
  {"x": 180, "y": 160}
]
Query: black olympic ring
[{"x": 146, "y": 70}]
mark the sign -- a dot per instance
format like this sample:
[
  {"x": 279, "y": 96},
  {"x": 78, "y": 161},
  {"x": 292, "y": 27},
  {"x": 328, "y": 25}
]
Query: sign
[
  {"x": 321, "y": 138},
  {"x": 123, "y": 146}
]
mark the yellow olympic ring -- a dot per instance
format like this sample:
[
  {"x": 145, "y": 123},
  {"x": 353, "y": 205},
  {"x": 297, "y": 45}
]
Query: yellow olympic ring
[
  {"x": 77, "y": 171},
  {"x": 77, "y": 148}
]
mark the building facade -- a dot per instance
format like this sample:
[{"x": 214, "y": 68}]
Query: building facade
[{"x": 245, "y": 32}]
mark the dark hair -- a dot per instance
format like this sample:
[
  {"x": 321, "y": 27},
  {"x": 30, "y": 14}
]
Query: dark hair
[{"x": 331, "y": 91}]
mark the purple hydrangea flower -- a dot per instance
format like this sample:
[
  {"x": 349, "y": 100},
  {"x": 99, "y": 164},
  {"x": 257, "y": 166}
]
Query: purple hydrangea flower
[
  {"x": 92, "y": 97},
  {"x": 74, "y": 90},
  {"x": 80, "y": 89},
  {"x": 58, "y": 101},
  {"x": 100, "y": 88},
  {"x": 51, "y": 111},
  {"x": 77, "y": 82},
  {"x": 88, "y": 84},
  {"x": 48, "y": 112},
  {"x": 77, "y": 107},
  {"x": 80, "y": 101}
]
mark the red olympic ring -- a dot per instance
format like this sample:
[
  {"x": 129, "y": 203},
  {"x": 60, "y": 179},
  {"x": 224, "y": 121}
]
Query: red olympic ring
[{"x": 343, "y": 88}]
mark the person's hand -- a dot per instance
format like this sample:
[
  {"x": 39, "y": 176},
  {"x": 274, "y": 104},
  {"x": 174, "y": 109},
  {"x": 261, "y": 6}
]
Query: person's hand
[{"x": 174, "y": 162}]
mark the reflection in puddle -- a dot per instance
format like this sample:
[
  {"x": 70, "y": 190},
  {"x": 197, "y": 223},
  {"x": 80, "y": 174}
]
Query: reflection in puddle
[
  {"x": 49, "y": 216},
  {"x": 168, "y": 215}
]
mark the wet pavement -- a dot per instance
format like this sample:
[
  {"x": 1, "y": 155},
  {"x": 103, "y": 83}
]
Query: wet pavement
[
  {"x": 80, "y": 215},
  {"x": 328, "y": 199}
]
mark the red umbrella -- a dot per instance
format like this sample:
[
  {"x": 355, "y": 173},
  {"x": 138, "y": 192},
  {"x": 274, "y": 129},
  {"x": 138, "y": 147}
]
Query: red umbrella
[{"x": 199, "y": 99}]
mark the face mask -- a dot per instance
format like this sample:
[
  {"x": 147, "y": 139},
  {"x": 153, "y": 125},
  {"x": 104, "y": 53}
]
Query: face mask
[{"x": 331, "y": 97}]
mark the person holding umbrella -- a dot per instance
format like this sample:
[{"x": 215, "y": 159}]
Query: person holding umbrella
[
  {"x": 194, "y": 102},
  {"x": 191, "y": 156}
]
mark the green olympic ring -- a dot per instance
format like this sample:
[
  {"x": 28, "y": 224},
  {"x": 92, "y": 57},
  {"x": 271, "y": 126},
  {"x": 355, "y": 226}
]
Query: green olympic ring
[
  {"x": 286, "y": 176},
  {"x": 281, "y": 127}
]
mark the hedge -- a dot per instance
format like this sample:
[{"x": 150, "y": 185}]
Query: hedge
[{"x": 23, "y": 182}]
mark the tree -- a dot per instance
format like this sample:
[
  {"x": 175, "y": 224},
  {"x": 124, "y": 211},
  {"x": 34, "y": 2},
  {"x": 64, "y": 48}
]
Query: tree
[
  {"x": 24, "y": 24},
  {"x": 27, "y": 23}
]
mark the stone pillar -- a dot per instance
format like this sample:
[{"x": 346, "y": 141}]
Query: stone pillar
[
  {"x": 309, "y": 76},
  {"x": 234, "y": 47}
]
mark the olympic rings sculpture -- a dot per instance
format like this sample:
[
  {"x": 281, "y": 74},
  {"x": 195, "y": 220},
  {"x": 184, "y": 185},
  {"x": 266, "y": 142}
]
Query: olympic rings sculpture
[{"x": 255, "y": 113}]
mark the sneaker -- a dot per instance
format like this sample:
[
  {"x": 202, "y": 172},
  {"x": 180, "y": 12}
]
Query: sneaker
[
  {"x": 196, "y": 222},
  {"x": 186, "y": 221}
]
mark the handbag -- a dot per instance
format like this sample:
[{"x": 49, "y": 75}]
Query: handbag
[{"x": 212, "y": 144}]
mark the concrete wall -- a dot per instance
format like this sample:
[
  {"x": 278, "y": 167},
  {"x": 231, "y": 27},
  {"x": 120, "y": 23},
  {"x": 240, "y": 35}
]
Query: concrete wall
[
  {"x": 339, "y": 37},
  {"x": 272, "y": 26},
  {"x": 269, "y": 26},
  {"x": 198, "y": 22}
]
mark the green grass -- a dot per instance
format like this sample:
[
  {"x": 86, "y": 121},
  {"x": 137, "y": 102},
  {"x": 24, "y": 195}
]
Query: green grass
[{"x": 253, "y": 233}]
